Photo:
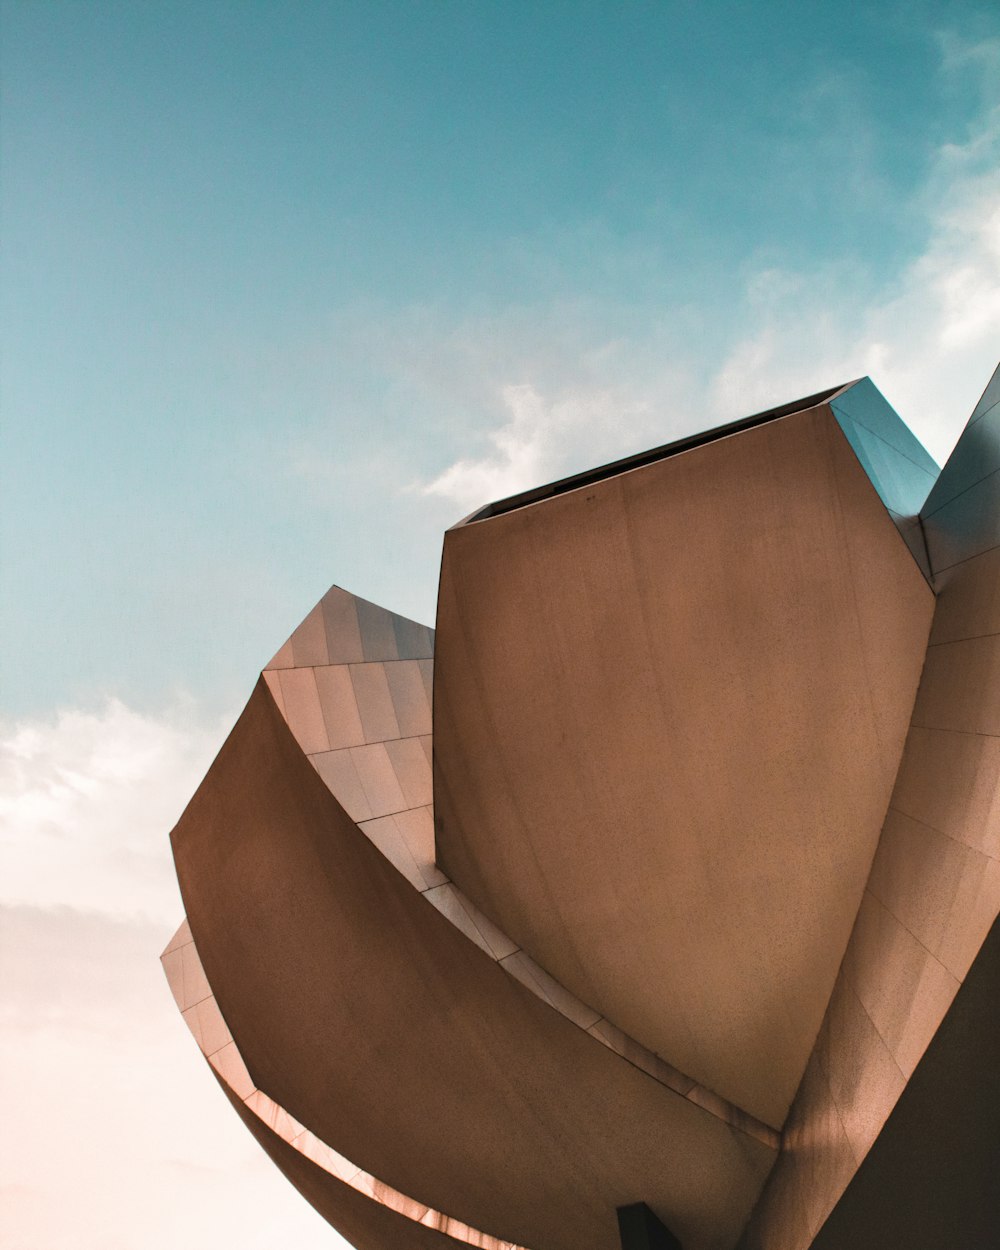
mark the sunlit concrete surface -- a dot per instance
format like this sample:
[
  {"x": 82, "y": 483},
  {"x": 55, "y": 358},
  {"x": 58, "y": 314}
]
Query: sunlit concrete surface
[{"x": 649, "y": 878}]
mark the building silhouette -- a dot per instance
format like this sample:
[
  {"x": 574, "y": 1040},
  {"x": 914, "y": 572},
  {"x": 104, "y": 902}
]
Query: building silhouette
[{"x": 675, "y": 923}]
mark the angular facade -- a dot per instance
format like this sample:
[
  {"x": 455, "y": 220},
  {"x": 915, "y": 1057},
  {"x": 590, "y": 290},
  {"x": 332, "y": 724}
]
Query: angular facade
[{"x": 683, "y": 895}]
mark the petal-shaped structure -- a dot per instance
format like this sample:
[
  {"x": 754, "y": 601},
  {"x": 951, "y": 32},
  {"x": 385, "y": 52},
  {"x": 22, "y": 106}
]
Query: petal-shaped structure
[
  {"x": 666, "y": 897},
  {"x": 645, "y": 773}
]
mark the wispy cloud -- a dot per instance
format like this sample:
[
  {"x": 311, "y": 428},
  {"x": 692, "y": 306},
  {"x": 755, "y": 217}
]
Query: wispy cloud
[
  {"x": 541, "y": 435},
  {"x": 930, "y": 337},
  {"x": 87, "y": 799},
  {"x": 115, "y": 1135},
  {"x": 573, "y": 390}
]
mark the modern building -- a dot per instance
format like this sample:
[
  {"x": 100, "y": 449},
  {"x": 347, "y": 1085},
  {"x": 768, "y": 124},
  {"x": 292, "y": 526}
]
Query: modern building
[{"x": 674, "y": 924}]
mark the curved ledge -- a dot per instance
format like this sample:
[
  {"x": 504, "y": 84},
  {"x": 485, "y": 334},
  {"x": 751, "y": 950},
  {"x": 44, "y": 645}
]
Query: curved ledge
[
  {"x": 196, "y": 1003},
  {"x": 363, "y": 1013}
]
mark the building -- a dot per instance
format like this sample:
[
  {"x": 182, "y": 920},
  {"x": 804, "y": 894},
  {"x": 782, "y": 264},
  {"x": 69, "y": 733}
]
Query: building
[{"x": 676, "y": 925}]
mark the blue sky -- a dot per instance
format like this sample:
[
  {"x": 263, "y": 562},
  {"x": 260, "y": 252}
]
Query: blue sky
[{"x": 288, "y": 289}]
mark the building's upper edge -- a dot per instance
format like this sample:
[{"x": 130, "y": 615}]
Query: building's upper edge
[{"x": 637, "y": 461}]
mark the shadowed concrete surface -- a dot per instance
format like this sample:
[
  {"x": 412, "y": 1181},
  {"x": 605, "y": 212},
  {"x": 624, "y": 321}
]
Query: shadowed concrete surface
[
  {"x": 930, "y": 1180},
  {"x": 934, "y": 887}
]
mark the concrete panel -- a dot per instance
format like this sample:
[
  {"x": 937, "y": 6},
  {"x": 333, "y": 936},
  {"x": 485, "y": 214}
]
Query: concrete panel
[
  {"x": 371, "y": 689},
  {"x": 961, "y": 518},
  {"x": 300, "y": 699},
  {"x": 899, "y": 467},
  {"x": 339, "y": 706},
  {"x": 309, "y": 641},
  {"x": 817, "y": 1163},
  {"x": 863, "y": 1076},
  {"x": 386, "y": 835},
  {"x": 339, "y": 772},
  {"x": 989, "y": 398},
  {"x": 945, "y": 893},
  {"x": 965, "y": 527},
  {"x": 976, "y": 456},
  {"x": 378, "y": 635},
  {"x": 409, "y": 698},
  {"x": 971, "y": 606},
  {"x": 412, "y": 769},
  {"x": 378, "y": 779},
  {"x": 343, "y": 633},
  {"x": 413, "y": 641},
  {"x": 904, "y": 992},
  {"x": 640, "y": 752}
]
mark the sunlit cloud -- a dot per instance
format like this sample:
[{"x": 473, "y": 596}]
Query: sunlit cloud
[
  {"x": 87, "y": 799},
  {"x": 929, "y": 339},
  {"x": 115, "y": 1133},
  {"x": 540, "y": 436},
  {"x": 927, "y": 335}
]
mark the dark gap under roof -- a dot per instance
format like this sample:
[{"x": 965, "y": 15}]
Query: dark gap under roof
[{"x": 589, "y": 476}]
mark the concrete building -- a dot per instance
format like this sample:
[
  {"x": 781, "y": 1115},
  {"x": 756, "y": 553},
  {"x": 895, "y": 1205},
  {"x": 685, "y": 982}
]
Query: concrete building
[{"x": 675, "y": 923}]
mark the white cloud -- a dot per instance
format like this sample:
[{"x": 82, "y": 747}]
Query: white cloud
[
  {"x": 115, "y": 1134},
  {"x": 87, "y": 800},
  {"x": 929, "y": 337},
  {"x": 541, "y": 437}
]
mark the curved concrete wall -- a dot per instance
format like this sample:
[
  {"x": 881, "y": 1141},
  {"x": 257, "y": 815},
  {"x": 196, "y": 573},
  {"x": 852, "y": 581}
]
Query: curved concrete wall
[
  {"x": 375, "y": 1023},
  {"x": 669, "y": 709},
  {"x": 361, "y": 1205},
  {"x": 354, "y": 684}
]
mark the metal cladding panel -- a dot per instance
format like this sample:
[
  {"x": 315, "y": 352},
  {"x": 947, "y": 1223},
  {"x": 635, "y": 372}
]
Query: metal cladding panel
[
  {"x": 989, "y": 398},
  {"x": 930, "y": 1180},
  {"x": 899, "y": 466},
  {"x": 931, "y": 899},
  {"x": 368, "y": 1225},
  {"x": 961, "y": 517},
  {"x": 669, "y": 707},
  {"x": 369, "y": 1018}
]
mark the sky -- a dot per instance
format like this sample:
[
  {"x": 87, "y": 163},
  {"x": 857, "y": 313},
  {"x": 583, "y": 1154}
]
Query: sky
[{"x": 288, "y": 289}]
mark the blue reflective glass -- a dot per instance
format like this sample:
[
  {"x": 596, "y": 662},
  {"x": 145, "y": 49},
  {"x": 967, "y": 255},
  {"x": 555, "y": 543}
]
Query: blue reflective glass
[
  {"x": 976, "y": 455},
  {"x": 865, "y": 405},
  {"x": 900, "y": 468},
  {"x": 966, "y": 526},
  {"x": 991, "y": 397}
]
